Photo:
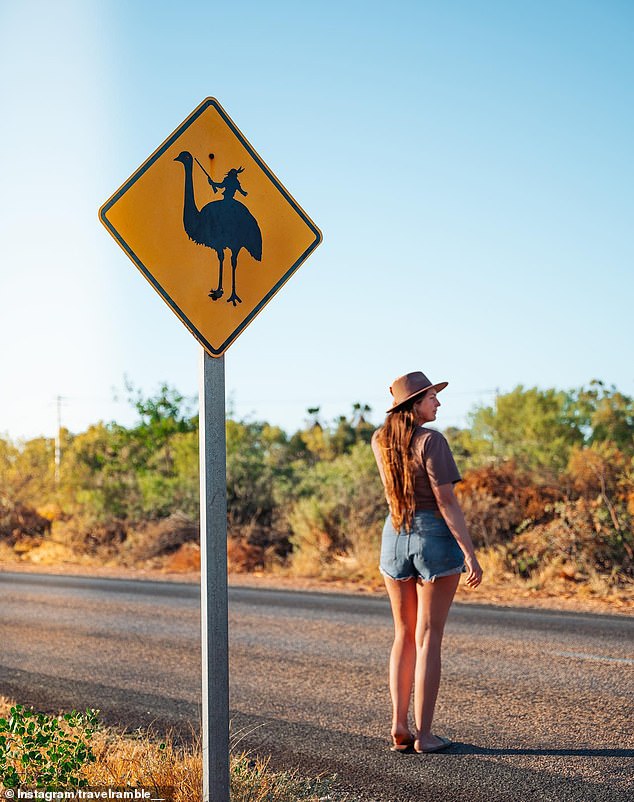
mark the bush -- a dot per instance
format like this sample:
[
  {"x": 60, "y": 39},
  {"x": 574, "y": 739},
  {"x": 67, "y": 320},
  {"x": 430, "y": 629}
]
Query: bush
[
  {"x": 339, "y": 512},
  {"x": 157, "y": 538},
  {"x": 580, "y": 536},
  {"x": 44, "y": 751},
  {"x": 498, "y": 499},
  {"x": 93, "y": 538},
  {"x": 18, "y": 520}
]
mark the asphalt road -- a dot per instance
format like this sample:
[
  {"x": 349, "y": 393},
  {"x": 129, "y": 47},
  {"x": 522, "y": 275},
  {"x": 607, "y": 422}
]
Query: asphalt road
[{"x": 539, "y": 704}]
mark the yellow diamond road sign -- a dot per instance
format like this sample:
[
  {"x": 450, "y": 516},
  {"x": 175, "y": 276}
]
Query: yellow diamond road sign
[{"x": 210, "y": 226}]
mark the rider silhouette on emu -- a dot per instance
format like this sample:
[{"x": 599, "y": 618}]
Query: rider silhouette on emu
[
  {"x": 221, "y": 224},
  {"x": 230, "y": 184}
]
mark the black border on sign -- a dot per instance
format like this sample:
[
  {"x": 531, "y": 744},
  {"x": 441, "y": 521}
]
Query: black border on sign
[{"x": 103, "y": 212}]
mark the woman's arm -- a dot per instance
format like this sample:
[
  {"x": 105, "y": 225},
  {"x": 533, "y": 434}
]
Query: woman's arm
[
  {"x": 379, "y": 463},
  {"x": 452, "y": 513}
]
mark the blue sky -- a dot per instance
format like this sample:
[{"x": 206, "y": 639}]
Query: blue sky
[{"x": 468, "y": 162}]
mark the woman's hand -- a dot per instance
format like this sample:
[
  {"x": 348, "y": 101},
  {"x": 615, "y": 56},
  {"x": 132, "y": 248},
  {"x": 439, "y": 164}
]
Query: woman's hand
[
  {"x": 452, "y": 513},
  {"x": 474, "y": 571}
]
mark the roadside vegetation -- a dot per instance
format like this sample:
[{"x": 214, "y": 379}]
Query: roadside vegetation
[
  {"x": 548, "y": 493},
  {"x": 74, "y": 751}
]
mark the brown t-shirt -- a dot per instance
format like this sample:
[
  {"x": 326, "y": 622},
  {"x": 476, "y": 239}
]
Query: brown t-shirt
[{"x": 433, "y": 463}]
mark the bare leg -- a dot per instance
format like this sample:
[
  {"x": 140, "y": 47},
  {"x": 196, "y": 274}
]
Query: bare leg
[
  {"x": 434, "y": 601},
  {"x": 403, "y": 599}
]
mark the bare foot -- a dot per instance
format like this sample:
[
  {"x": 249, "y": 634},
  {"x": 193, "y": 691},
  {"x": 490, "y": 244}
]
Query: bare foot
[
  {"x": 431, "y": 743},
  {"x": 402, "y": 739}
]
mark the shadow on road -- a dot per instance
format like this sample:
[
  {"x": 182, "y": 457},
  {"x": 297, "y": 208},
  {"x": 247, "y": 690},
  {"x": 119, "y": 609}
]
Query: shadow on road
[{"x": 459, "y": 748}]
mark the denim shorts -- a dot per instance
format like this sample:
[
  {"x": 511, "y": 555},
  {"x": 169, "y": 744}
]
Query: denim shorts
[{"x": 428, "y": 551}]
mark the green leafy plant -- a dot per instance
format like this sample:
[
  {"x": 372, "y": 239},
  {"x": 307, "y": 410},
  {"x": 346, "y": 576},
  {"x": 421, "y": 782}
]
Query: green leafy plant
[{"x": 42, "y": 751}]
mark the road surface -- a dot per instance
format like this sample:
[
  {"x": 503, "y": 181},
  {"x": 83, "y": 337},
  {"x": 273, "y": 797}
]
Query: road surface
[{"x": 539, "y": 704}]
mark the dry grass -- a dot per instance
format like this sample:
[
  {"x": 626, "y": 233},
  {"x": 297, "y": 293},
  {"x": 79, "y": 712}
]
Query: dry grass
[
  {"x": 146, "y": 761},
  {"x": 139, "y": 760},
  {"x": 553, "y": 583}
]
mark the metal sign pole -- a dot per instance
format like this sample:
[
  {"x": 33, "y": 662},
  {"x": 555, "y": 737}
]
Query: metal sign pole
[{"x": 213, "y": 580}]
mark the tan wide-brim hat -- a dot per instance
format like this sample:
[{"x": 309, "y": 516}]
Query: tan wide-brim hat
[{"x": 409, "y": 386}]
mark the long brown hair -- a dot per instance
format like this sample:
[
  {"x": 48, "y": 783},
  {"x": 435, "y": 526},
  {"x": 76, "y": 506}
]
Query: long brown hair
[{"x": 394, "y": 439}]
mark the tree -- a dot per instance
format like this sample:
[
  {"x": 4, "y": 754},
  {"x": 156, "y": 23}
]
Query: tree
[
  {"x": 256, "y": 463},
  {"x": 532, "y": 426},
  {"x": 100, "y": 477},
  {"x": 27, "y": 471},
  {"x": 604, "y": 415},
  {"x": 161, "y": 416}
]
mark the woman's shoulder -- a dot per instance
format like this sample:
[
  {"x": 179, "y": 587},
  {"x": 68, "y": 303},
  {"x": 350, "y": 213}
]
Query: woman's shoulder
[
  {"x": 375, "y": 440},
  {"x": 424, "y": 432},
  {"x": 425, "y": 438}
]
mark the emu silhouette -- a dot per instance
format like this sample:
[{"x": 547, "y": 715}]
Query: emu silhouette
[{"x": 219, "y": 225}]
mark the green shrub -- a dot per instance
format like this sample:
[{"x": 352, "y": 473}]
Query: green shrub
[
  {"x": 42, "y": 751},
  {"x": 339, "y": 512}
]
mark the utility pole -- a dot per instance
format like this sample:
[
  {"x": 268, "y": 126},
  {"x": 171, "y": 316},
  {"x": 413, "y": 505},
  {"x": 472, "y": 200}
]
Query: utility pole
[
  {"x": 495, "y": 408},
  {"x": 58, "y": 441}
]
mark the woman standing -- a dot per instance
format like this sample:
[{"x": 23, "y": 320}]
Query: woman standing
[{"x": 425, "y": 547}]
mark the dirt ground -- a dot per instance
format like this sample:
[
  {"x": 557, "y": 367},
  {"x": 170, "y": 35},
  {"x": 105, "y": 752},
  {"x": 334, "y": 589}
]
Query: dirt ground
[{"x": 500, "y": 594}]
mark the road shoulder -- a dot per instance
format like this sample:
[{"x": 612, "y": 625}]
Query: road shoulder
[{"x": 498, "y": 595}]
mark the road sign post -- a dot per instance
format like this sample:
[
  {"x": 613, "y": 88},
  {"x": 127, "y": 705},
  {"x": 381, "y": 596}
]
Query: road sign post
[
  {"x": 213, "y": 580},
  {"x": 179, "y": 220}
]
